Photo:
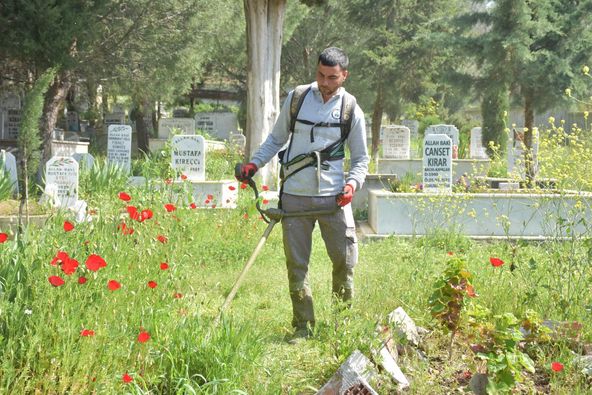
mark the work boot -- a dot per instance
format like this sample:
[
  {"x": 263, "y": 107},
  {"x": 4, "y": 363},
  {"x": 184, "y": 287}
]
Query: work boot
[{"x": 300, "y": 335}]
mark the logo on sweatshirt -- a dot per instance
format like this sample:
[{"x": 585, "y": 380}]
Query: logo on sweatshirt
[{"x": 336, "y": 113}]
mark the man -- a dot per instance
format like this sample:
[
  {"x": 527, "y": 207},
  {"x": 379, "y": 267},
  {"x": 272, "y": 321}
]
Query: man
[{"x": 313, "y": 179}]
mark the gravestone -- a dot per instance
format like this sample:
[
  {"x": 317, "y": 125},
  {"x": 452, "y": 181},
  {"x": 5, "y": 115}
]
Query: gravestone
[
  {"x": 218, "y": 124},
  {"x": 61, "y": 181},
  {"x": 450, "y": 131},
  {"x": 437, "y": 163},
  {"x": 114, "y": 118},
  {"x": 119, "y": 146},
  {"x": 396, "y": 143},
  {"x": 183, "y": 126},
  {"x": 8, "y": 164},
  {"x": 188, "y": 154},
  {"x": 180, "y": 113},
  {"x": 73, "y": 123},
  {"x": 477, "y": 150},
  {"x": 516, "y": 165},
  {"x": 12, "y": 123},
  {"x": 85, "y": 161},
  {"x": 237, "y": 140},
  {"x": 413, "y": 125}
]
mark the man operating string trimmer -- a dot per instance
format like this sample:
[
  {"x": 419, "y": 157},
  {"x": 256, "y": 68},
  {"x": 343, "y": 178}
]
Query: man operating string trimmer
[{"x": 316, "y": 122}]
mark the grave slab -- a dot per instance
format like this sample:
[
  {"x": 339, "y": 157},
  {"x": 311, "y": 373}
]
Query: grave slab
[
  {"x": 61, "y": 181},
  {"x": 188, "y": 156},
  {"x": 119, "y": 146},
  {"x": 351, "y": 378}
]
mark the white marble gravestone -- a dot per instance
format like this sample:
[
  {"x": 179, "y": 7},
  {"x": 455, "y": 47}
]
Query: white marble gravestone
[
  {"x": 237, "y": 140},
  {"x": 8, "y": 163},
  {"x": 61, "y": 181},
  {"x": 114, "y": 118},
  {"x": 119, "y": 146},
  {"x": 85, "y": 160},
  {"x": 437, "y": 163},
  {"x": 188, "y": 156},
  {"x": 413, "y": 125},
  {"x": 219, "y": 124},
  {"x": 396, "y": 142},
  {"x": 183, "y": 126},
  {"x": 477, "y": 150}
]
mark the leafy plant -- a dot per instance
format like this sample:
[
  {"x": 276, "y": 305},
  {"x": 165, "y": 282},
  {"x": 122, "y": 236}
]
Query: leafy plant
[
  {"x": 6, "y": 184},
  {"x": 448, "y": 298}
]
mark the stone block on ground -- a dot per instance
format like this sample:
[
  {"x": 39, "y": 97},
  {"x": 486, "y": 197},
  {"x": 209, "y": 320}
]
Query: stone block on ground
[
  {"x": 387, "y": 358},
  {"x": 351, "y": 378},
  {"x": 404, "y": 325}
]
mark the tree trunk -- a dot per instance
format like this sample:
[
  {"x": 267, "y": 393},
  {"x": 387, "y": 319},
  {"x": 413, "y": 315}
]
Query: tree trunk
[
  {"x": 137, "y": 116},
  {"x": 265, "y": 19},
  {"x": 528, "y": 136},
  {"x": 377, "y": 120},
  {"x": 54, "y": 98}
]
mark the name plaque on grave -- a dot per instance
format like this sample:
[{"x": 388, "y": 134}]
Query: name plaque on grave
[
  {"x": 61, "y": 180},
  {"x": 119, "y": 146},
  {"x": 437, "y": 163},
  {"x": 188, "y": 154}
]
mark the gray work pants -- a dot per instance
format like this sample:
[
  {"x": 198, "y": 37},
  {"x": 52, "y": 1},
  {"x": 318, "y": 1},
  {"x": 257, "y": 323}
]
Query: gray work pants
[{"x": 339, "y": 235}]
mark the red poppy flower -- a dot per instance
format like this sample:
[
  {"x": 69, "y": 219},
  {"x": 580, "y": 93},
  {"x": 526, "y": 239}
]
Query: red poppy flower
[
  {"x": 168, "y": 181},
  {"x": 450, "y": 253},
  {"x": 113, "y": 285},
  {"x": 152, "y": 284},
  {"x": 265, "y": 201},
  {"x": 146, "y": 214},
  {"x": 125, "y": 229},
  {"x": 56, "y": 281},
  {"x": 231, "y": 187},
  {"x": 213, "y": 206},
  {"x": 557, "y": 366},
  {"x": 162, "y": 239},
  {"x": 246, "y": 216},
  {"x": 170, "y": 207},
  {"x": 164, "y": 266},
  {"x": 87, "y": 333},
  {"x": 143, "y": 337},
  {"x": 68, "y": 226},
  {"x": 81, "y": 280},
  {"x": 127, "y": 378},
  {"x": 183, "y": 177},
  {"x": 193, "y": 205},
  {"x": 178, "y": 295},
  {"x": 60, "y": 257},
  {"x": 471, "y": 291},
  {"x": 69, "y": 266},
  {"x": 265, "y": 187},
  {"x": 124, "y": 196},
  {"x": 95, "y": 262},
  {"x": 210, "y": 197},
  {"x": 495, "y": 262},
  {"x": 243, "y": 185},
  {"x": 133, "y": 212},
  {"x": 207, "y": 201},
  {"x": 3, "y": 237}
]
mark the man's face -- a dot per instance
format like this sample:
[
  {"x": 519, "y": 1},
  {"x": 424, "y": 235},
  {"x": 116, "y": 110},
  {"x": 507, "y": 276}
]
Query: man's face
[{"x": 330, "y": 79}]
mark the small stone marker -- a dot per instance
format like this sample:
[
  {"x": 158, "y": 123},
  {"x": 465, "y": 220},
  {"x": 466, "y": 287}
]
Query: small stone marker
[
  {"x": 413, "y": 125},
  {"x": 119, "y": 146},
  {"x": 389, "y": 363},
  {"x": 182, "y": 125},
  {"x": 351, "y": 378},
  {"x": 85, "y": 160},
  {"x": 437, "y": 163},
  {"x": 188, "y": 156},
  {"x": 476, "y": 149},
  {"x": 61, "y": 181},
  {"x": 404, "y": 325},
  {"x": 8, "y": 164},
  {"x": 396, "y": 142}
]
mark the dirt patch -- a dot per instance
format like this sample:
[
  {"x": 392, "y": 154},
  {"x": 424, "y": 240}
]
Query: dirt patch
[{"x": 11, "y": 207}]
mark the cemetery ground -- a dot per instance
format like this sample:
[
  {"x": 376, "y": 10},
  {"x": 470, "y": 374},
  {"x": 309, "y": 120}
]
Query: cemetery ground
[{"x": 125, "y": 303}]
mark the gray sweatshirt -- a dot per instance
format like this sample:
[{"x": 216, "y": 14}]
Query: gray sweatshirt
[{"x": 332, "y": 180}]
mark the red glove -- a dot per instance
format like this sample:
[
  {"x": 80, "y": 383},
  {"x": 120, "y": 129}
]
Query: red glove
[
  {"x": 345, "y": 197},
  {"x": 247, "y": 172}
]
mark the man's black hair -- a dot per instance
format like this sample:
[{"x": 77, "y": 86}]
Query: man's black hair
[{"x": 334, "y": 56}]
